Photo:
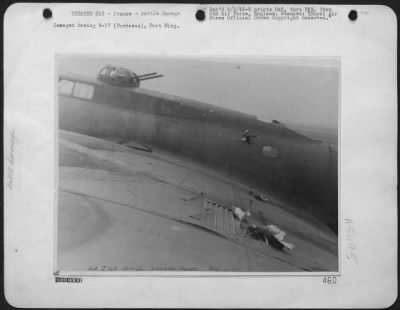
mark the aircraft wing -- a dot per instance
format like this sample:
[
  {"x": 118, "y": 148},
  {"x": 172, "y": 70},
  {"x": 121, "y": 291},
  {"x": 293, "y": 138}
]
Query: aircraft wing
[{"x": 128, "y": 207}]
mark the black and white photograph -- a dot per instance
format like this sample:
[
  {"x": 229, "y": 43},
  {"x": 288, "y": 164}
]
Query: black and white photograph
[
  {"x": 200, "y": 156},
  {"x": 211, "y": 164}
]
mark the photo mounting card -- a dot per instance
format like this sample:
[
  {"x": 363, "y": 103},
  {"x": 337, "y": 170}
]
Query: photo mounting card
[{"x": 256, "y": 158}]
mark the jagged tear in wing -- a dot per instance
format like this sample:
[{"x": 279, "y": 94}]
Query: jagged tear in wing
[{"x": 126, "y": 207}]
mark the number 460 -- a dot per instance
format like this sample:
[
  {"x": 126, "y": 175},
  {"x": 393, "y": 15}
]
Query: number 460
[{"x": 329, "y": 280}]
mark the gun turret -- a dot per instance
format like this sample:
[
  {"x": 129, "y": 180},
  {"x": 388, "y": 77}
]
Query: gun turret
[{"x": 123, "y": 77}]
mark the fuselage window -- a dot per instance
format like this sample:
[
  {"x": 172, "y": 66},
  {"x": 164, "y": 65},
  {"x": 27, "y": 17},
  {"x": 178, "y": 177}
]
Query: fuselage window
[
  {"x": 65, "y": 87},
  {"x": 83, "y": 91}
]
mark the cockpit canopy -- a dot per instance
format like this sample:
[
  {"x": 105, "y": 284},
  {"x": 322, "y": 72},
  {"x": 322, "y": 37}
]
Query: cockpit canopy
[{"x": 123, "y": 77}]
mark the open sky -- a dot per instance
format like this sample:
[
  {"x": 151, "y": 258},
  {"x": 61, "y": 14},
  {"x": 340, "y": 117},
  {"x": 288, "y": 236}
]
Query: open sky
[{"x": 303, "y": 91}]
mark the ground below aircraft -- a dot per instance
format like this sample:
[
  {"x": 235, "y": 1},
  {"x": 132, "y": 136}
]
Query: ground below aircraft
[{"x": 150, "y": 181}]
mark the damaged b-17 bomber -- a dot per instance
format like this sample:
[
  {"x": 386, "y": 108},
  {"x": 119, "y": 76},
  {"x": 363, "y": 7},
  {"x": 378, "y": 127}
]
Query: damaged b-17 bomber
[{"x": 164, "y": 180}]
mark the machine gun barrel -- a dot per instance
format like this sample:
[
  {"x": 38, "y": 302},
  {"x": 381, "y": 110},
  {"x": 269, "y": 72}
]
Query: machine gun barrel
[
  {"x": 146, "y": 75},
  {"x": 151, "y": 77}
]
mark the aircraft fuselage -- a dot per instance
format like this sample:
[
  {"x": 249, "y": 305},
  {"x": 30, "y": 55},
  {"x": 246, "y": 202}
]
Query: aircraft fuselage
[{"x": 276, "y": 158}]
